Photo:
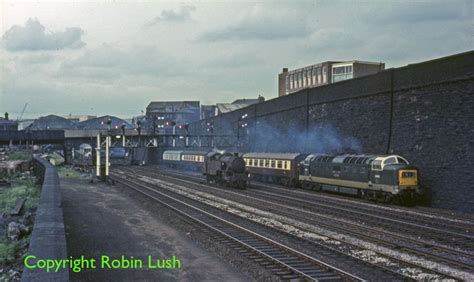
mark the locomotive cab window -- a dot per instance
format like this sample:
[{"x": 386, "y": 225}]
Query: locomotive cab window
[
  {"x": 390, "y": 161},
  {"x": 377, "y": 165},
  {"x": 401, "y": 161}
]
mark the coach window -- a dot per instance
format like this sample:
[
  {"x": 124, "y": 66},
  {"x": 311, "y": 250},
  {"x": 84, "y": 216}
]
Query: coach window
[
  {"x": 266, "y": 163},
  {"x": 325, "y": 72},
  {"x": 279, "y": 165},
  {"x": 272, "y": 164}
]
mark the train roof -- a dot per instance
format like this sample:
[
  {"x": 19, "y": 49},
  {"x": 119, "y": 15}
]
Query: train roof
[
  {"x": 281, "y": 156},
  {"x": 195, "y": 152},
  {"x": 172, "y": 152},
  {"x": 353, "y": 159}
]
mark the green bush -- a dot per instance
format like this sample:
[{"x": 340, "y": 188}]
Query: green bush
[
  {"x": 25, "y": 189},
  {"x": 8, "y": 252}
]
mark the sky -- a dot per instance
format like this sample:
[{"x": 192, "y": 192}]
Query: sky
[{"x": 114, "y": 57}]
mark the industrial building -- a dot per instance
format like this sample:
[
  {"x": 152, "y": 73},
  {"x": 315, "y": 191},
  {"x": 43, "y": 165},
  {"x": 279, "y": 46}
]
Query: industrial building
[
  {"x": 324, "y": 73},
  {"x": 162, "y": 114},
  {"x": 51, "y": 122},
  {"x": 8, "y": 125},
  {"x": 208, "y": 111}
]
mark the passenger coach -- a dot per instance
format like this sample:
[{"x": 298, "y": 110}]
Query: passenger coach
[
  {"x": 274, "y": 167},
  {"x": 193, "y": 160}
]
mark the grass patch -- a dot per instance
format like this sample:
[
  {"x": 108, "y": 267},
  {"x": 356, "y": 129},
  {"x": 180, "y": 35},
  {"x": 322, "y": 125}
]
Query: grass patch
[
  {"x": 20, "y": 156},
  {"x": 25, "y": 189},
  {"x": 8, "y": 251},
  {"x": 68, "y": 172}
]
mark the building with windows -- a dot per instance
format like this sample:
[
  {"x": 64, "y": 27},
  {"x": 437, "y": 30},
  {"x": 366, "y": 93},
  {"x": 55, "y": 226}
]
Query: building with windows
[
  {"x": 324, "y": 73},
  {"x": 162, "y": 114}
]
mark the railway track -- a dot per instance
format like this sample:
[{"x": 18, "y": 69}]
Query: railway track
[
  {"x": 285, "y": 262},
  {"x": 446, "y": 256},
  {"x": 392, "y": 214},
  {"x": 456, "y": 236}
]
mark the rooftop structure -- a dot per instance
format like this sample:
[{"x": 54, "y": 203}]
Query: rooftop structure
[
  {"x": 101, "y": 123},
  {"x": 222, "y": 108},
  {"x": 51, "y": 122},
  {"x": 324, "y": 73}
]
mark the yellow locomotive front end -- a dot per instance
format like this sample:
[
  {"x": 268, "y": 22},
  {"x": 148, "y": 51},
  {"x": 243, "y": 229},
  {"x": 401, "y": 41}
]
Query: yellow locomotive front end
[
  {"x": 408, "y": 187},
  {"x": 408, "y": 178}
]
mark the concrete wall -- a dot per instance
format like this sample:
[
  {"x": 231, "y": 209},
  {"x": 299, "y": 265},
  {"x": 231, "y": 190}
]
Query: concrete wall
[
  {"x": 48, "y": 240},
  {"x": 423, "y": 112}
]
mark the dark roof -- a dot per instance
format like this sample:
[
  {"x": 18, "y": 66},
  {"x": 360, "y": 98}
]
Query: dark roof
[
  {"x": 96, "y": 123},
  {"x": 51, "y": 122},
  {"x": 281, "y": 156},
  {"x": 7, "y": 121},
  {"x": 174, "y": 106},
  {"x": 245, "y": 101}
]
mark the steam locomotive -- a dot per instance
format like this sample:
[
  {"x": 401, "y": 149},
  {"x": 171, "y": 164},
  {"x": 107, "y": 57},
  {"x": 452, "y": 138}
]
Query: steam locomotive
[
  {"x": 226, "y": 168},
  {"x": 218, "y": 166}
]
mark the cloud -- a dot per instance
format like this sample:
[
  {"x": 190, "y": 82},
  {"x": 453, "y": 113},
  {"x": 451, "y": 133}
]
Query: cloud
[
  {"x": 417, "y": 12},
  {"x": 262, "y": 23},
  {"x": 232, "y": 60},
  {"x": 33, "y": 37},
  {"x": 109, "y": 62},
  {"x": 184, "y": 14}
]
